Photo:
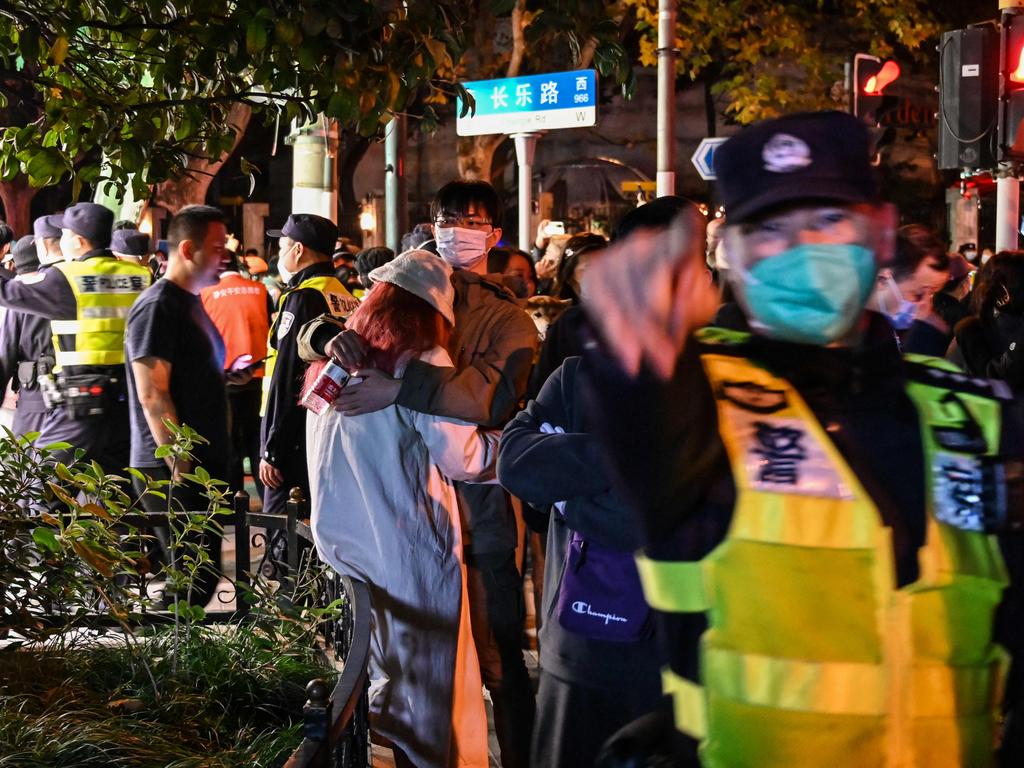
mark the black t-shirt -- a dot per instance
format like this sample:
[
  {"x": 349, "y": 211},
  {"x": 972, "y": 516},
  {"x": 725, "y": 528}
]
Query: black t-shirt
[{"x": 170, "y": 323}]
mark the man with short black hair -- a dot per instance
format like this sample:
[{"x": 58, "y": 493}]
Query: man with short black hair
[
  {"x": 175, "y": 365},
  {"x": 86, "y": 299}
]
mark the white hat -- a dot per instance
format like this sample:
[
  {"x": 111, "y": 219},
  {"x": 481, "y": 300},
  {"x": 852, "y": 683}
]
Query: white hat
[{"x": 422, "y": 274}]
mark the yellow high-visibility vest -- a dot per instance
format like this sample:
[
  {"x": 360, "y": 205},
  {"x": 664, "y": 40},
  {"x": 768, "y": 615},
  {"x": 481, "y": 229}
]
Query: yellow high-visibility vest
[
  {"x": 813, "y": 656},
  {"x": 105, "y": 289}
]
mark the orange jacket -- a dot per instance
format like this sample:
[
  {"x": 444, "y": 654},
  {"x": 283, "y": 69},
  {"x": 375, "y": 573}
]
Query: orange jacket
[{"x": 239, "y": 308}]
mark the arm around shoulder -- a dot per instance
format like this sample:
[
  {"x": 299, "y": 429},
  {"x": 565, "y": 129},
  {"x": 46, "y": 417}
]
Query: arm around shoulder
[
  {"x": 314, "y": 335},
  {"x": 488, "y": 389}
]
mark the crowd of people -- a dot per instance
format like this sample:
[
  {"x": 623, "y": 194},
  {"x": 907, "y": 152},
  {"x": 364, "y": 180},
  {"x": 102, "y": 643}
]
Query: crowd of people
[{"x": 768, "y": 470}]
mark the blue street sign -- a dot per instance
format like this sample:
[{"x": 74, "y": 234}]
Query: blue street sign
[
  {"x": 531, "y": 103},
  {"x": 704, "y": 158}
]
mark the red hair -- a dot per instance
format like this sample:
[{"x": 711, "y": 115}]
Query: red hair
[{"x": 395, "y": 323}]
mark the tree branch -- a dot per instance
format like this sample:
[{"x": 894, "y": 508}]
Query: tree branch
[{"x": 515, "y": 62}]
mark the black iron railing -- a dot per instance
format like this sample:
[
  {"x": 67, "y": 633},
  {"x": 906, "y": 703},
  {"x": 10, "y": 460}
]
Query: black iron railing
[{"x": 336, "y": 722}]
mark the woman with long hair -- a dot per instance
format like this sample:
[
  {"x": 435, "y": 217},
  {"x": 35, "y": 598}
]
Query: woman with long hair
[
  {"x": 990, "y": 343},
  {"x": 384, "y": 510}
]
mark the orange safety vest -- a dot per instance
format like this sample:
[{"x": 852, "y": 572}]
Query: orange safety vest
[{"x": 238, "y": 308}]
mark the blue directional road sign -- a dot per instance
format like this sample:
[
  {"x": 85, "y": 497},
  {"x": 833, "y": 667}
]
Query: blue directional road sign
[
  {"x": 531, "y": 103},
  {"x": 704, "y": 158}
]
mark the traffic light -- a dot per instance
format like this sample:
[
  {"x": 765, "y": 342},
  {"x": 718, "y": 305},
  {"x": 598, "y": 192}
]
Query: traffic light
[
  {"x": 969, "y": 66},
  {"x": 1011, "y": 96},
  {"x": 871, "y": 75}
]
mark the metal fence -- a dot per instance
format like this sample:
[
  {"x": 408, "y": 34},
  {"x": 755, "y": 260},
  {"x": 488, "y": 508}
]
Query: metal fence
[{"x": 336, "y": 722}]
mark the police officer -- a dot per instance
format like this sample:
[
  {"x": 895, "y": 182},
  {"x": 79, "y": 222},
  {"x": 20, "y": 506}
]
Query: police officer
[
  {"x": 130, "y": 245},
  {"x": 24, "y": 339},
  {"x": 86, "y": 299},
  {"x": 817, "y": 509},
  {"x": 311, "y": 290},
  {"x": 47, "y": 239}
]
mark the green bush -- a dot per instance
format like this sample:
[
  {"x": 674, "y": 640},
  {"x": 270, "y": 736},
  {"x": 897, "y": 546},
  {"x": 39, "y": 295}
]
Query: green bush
[{"x": 86, "y": 678}]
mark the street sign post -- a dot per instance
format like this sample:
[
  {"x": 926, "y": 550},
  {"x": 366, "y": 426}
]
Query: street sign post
[
  {"x": 522, "y": 106},
  {"x": 704, "y": 158}
]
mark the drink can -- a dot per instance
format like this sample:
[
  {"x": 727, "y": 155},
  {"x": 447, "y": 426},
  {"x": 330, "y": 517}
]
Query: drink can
[{"x": 325, "y": 388}]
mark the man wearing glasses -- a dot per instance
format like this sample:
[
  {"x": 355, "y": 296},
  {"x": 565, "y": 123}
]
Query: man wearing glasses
[{"x": 492, "y": 346}]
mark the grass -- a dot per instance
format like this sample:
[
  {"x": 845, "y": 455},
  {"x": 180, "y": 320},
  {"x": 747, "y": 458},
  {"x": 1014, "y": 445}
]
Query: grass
[{"x": 234, "y": 700}]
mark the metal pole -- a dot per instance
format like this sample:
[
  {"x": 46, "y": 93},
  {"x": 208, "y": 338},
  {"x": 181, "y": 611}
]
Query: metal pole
[
  {"x": 526, "y": 146},
  {"x": 666, "y": 97},
  {"x": 1007, "y": 212},
  {"x": 394, "y": 182}
]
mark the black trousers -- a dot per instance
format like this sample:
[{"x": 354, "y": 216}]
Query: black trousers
[
  {"x": 574, "y": 719},
  {"x": 244, "y": 420},
  {"x": 497, "y": 611},
  {"x": 186, "y": 497}
]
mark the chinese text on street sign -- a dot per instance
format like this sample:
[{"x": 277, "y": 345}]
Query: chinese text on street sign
[{"x": 531, "y": 103}]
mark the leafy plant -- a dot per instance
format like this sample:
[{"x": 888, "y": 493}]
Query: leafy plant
[
  {"x": 151, "y": 84},
  {"x": 78, "y": 691}
]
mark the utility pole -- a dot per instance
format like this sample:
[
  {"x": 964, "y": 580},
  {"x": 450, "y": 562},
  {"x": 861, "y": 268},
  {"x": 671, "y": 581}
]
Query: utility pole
[
  {"x": 666, "y": 179},
  {"x": 395, "y": 208},
  {"x": 526, "y": 147}
]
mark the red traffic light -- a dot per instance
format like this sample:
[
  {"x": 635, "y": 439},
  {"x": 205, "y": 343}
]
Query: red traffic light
[
  {"x": 885, "y": 76},
  {"x": 1017, "y": 75}
]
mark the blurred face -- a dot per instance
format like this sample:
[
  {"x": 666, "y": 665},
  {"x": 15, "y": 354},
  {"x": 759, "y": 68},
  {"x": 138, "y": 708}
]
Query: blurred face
[
  {"x": 925, "y": 281},
  {"x": 72, "y": 245},
  {"x": 751, "y": 242},
  {"x": 519, "y": 266},
  {"x": 804, "y": 273},
  {"x": 48, "y": 250}
]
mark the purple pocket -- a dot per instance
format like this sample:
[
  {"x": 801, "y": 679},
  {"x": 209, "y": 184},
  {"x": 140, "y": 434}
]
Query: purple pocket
[{"x": 600, "y": 596}]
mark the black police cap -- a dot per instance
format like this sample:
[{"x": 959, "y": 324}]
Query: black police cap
[
  {"x": 806, "y": 157},
  {"x": 42, "y": 228},
  {"x": 314, "y": 232},
  {"x": 130, "y": 242},
  {"x": 89, "y": 220}
]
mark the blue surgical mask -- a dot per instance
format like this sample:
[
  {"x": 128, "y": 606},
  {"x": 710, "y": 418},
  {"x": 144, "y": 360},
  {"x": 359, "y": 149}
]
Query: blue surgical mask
[
  {"x": 900, "y": 311},
  {"x": 810, "y": 294}
]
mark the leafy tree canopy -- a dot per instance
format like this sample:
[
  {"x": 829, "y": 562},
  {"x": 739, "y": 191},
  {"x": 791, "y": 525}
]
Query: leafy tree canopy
[
  {"x": 151, "y": 82},
  {"x": 767, "y": 57}
]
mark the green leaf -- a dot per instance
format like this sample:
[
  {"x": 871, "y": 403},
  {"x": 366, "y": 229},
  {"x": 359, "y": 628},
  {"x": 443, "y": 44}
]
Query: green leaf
[
  {"x": 163, "y": 451},
  {"x": 255, "y": 37},
  {"x": 46, "y": 539},
  {"x": 47, "y": 164}
]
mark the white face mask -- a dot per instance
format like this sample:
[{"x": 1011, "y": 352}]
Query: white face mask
[
  {"x": 285, "y": 273},
  {"x": 461, "y": 247}
]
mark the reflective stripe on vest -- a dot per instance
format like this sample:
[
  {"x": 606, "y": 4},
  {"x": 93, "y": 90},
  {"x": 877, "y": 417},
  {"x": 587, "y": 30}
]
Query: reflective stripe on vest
[
  {"x": 339, "y": 303},
  {"x": 813, "y": 656},
  {"x": 105, "y": 289}
]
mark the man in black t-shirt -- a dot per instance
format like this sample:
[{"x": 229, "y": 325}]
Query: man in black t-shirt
[{"x": 175, "y": 362}]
